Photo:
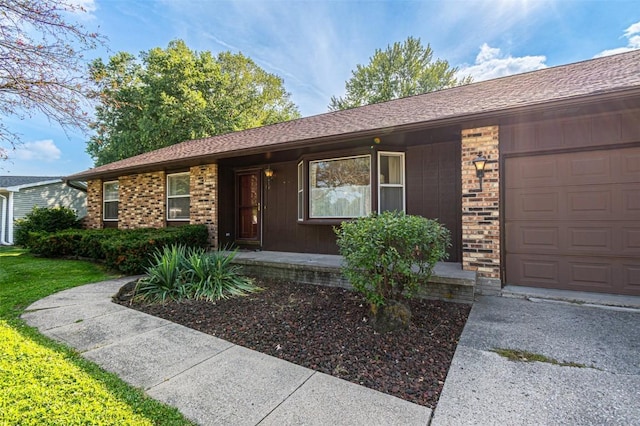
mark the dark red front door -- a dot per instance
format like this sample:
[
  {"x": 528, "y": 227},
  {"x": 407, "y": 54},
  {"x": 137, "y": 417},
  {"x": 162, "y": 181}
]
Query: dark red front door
[{"x": 248, "y": 207}]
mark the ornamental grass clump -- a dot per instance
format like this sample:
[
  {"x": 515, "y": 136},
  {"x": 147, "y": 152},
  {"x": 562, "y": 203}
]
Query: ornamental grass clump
[
  {"x": 388, "y": 257},
  {"x": 178, "y": 272}
]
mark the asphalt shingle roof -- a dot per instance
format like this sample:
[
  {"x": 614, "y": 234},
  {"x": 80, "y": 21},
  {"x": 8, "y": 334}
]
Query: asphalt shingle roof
[
  {"x": 7, "y": 181},
  {"x": 608, "y": 75}
]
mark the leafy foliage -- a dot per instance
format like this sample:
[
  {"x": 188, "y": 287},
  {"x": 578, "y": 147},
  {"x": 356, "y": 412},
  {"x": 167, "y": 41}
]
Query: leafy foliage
[
  {"x": 126, "y": 250},
  {"x": 24, "y": 279},
  {"x": 42, "y": 68},
  {"x": 390, "y": 255},
  {"x": 402, "y": 70},
  {"x": 44, "y": 219},
  {"x": 175, "y": 94},
  {"x": 179, "y": 272}
]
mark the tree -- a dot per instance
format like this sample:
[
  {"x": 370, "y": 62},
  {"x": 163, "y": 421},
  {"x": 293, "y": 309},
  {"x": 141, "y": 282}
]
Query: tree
[
  {"x": 175, "y": 94},
  {"x": 41, "y": 64},
  {"x": 404, "y": 69}
]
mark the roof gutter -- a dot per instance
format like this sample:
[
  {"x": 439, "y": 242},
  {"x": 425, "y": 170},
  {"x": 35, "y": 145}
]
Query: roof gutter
[{"x": 75, "y": 185}]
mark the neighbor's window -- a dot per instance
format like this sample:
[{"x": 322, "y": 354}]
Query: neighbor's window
[
  {"x": 110, "y": 192},
  {"x": 391, "y": 188},
  {"x": 340, "y": 187},
  {"x": 178, "y": 199},
  {"x": 301, "y": 191}
]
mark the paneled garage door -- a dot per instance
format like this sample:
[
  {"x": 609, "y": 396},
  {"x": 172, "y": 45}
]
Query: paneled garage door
[{"x": 573, "y": 221}]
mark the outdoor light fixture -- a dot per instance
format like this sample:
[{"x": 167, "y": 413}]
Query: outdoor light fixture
[
  {"x": 268, "y": 173},
  {"x": 479, "y": 163}
]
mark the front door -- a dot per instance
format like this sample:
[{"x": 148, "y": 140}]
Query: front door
[{"x": 248, "y": 207}]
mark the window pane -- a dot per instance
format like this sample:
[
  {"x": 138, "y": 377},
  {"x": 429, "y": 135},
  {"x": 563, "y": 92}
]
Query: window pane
[
  {"x": 111, "y": 210},
  {"x": 340, "y": 188},
  {"x": 301, "y": 191},
  {"x": 178, "y": 208},
  {"x": 391, "y": 169},
  {"x": 391, "y": 198},
  {"x": 178, "y": 184},
  {"x": 111, "y": 191}
]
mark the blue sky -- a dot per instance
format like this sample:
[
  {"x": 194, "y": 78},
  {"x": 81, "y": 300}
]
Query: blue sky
[{"x": 314, "y": 45}]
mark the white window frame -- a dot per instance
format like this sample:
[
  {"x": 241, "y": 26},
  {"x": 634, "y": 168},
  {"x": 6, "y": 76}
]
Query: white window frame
[
  {"x": 171, "y": 197},
  {"x": 393, "y": 185},
  {"x": 309, "y": 180},
  {"x": 105, "y": 201},
  {"x": 300, "y": 194}
]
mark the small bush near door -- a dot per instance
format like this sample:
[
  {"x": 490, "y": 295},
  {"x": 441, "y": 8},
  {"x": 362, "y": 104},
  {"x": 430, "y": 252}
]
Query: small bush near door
[{"x": 387, "y": 257}]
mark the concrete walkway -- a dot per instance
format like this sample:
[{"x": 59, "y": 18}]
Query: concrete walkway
[
  {"x": 484, "y": 388},
  {"x": 209, "y": 380},
  {"x": 213, "y": 381}
]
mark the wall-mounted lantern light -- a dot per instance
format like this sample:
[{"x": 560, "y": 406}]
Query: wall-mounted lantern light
[
  {"x": 268, "y": 173},
  {"x": 479, "y": 163}
]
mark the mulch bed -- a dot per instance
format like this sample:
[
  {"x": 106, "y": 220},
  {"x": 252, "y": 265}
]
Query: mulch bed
[{"x": 329, "y": 330}]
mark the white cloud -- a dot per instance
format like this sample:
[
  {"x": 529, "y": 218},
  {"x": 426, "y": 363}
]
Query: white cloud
[
  {"x": 490, "y": 63},
  {"x": 632, "y": 34},
  {"x": 44, "y": 150}
]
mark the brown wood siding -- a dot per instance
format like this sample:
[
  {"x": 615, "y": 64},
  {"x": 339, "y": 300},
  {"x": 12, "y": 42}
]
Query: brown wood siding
[
  {"x": 226, "y": 207},
  {"x": 433, "y": 191},
  {"x": 434, "y": 188},
  {"x": 282, "y": 232},
  {"x": 567, "y": 133}
]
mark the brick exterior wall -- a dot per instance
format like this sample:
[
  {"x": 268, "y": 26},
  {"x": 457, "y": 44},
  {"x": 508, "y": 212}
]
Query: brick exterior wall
[
  {"x": 204, "y": 199},
  {"x": 142, "y": 201},
  {"x": 481, "y": 209},
  {"x": 93, "y": 219}
]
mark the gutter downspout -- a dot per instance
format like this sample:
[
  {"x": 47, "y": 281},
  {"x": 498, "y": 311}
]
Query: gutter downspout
[
  {"x": 3, "y": 224},
  {"x": 10, "y": 219}
]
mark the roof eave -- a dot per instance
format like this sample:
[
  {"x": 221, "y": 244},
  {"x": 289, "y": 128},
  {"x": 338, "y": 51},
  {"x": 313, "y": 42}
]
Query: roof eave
[{"x": 497, "y": 114}]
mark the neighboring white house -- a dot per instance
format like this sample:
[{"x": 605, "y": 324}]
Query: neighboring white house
[{"x": 19, "y": 194}]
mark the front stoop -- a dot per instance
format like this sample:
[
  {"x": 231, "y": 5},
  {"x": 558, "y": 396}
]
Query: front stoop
[{"x": 448, "y": 281}]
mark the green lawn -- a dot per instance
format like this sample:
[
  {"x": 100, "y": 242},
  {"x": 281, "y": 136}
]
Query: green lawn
[{"x": 43, "y": 382}]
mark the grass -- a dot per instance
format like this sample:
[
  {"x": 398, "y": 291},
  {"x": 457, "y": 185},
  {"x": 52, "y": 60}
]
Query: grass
[
  {"x": 525, "y": 356},
  {"x": 35, "y": 371}
]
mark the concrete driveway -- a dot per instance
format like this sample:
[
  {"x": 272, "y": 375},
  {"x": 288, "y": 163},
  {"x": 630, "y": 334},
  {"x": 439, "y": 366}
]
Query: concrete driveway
[{"x": 485, "y": 388}]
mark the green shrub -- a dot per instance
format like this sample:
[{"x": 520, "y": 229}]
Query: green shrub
[
  {"x": 127, "y": 251},
  {"x": 44, "y": 219},
  {"x": 390, "y": 255},
  {"x": 166, "y": 277},
  {"x": 179, "y": 272},
  {"x": 213, "y": 276}
]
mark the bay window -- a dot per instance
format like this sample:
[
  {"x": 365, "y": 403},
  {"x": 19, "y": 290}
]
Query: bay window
[{"x": 340, "y": 187}]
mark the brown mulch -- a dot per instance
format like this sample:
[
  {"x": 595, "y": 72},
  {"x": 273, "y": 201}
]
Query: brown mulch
[{"x": 329, "y": 330}]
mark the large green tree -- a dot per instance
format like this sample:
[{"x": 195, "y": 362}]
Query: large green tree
[
  {"x": 404, "y": 69},
  {"x": 175, "y": 94}
]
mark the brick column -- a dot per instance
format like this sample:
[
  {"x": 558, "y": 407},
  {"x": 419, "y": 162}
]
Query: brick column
[
  {"x": 142, "y": 201},
  {"x": 481, "y": 209},
  {"x": 93, "y": 219},
  {"x": 203, "y": 184}
]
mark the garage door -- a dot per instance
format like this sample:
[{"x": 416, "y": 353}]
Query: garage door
[{"x": 572, "y": 221}]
